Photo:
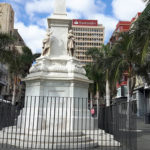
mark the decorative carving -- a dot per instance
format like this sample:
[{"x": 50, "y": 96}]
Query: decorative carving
[
  {"x": 46, "y": 43},
  {"x": 65, "y": 66},
  {"x": 71, "y": 44}
]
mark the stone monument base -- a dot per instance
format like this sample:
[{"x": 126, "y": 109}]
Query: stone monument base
[{"x": 57, "y": 87}]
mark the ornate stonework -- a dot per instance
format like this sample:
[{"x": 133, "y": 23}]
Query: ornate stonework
[{"x": 49, "y": 65}]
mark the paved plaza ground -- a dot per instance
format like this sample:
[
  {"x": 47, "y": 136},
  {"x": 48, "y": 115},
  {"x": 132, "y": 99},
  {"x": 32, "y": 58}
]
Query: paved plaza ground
[{"x": 143, "y": 140}]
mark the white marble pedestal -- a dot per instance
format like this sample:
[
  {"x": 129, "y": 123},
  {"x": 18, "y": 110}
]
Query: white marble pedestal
[{"x": 57, "y": 96}]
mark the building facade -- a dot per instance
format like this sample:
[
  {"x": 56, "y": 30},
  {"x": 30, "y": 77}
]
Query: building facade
[
  {"x": 7, "y": 26},
  {"x": 6, "y": 18},
  {"x": 88, "y": 34}
]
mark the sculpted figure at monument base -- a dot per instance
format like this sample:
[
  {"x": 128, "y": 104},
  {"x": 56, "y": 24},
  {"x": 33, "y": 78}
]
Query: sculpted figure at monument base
[
  {"x": 46, "y": 44},
  {"x": 71, "y": 44}
]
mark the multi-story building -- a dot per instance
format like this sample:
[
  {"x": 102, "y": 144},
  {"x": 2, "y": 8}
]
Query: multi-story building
[
  {"x": 6, "y": 18},
  {"x": 7, "y": 26},
  {"x": 122, "y": 26},
  {"x": 88, "y": 34}
]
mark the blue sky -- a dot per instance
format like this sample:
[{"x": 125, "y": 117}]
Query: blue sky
[{"x": 31, "y": 15}]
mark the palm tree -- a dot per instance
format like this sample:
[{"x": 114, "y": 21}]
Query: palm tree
[
  {"x": 105, "y": 62},
  {"x": 102, "y": 68},
  {"x": 141, "y": 35},
  {"x": 95, "y": 73},
  {"x": 126, "y": 59},
  {"x": 147, "y": 1}
]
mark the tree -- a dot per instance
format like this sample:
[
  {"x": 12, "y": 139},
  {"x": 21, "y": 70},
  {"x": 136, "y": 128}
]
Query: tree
[
  {"x": 5, "y": 42},
  {"x": 105, "y": 62},
  {"x": 141, "y": 34},
  {"x": 19, "y": 66},
  {"x": 96, "y": 74},
  {"x": 127, "y": 60},
  {"x": 101, "y": 70},
  {"x": 147, "y": 1}
]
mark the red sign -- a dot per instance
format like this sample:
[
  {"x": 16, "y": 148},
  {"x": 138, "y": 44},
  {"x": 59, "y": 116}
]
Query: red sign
[
  {"x": 78, "y": 22},
  {"x": 121, "y": 84}
]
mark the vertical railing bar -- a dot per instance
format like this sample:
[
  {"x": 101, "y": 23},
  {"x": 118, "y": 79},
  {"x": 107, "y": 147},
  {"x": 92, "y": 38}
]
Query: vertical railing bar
[
  {"x": 6, "y": 126},
  {"x": 122, "y": 123},
  {"x": 49, "y": 134},
  {"x": 3, "y": 129},
  {"x": 41, "y": 134},
  {"x": 37, "y": 119},
  {"x": 66, "y": 120},
  {"x": 20, "y": 127},
  {"x": 86, "y": 100},
  {"x": 16, "y": 128},
  {"x": 82, "y": 121},
  {"x": 62, "y": 120},
  {"x": 57, "y": 140},
  {"x": 107, "y": 139},
  {"x": 70, "y": 99},
  {"x": 29, "y": 122},
  {"x": 90, "y": 124},
  {"x": 25, "y": 119},
  {"x": 119, "y": 113},
  {"x": 93, "y": 123},
  {"x": 78, "y": 126},
  {"x": 98, "y": 120},
  {"x": 112, "y": 110},
  {"x": 74, "y": 115},
  {"x": 46, "y": 122},
  {"x": 33, "y": 121},
  {"x": 54, "y": 124}
]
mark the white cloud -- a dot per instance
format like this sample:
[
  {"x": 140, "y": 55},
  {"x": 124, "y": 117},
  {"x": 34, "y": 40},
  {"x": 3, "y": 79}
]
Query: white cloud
[
  {"x": 127, "y": 9},
  {"x": 86, "y": 7},
  {"x": 32, "y": 35},
  {"x": 40, "y": 6}
]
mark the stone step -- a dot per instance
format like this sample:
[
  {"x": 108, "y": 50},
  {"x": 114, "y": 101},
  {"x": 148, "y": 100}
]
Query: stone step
[
  {"x": 43, "y": 136},
  {"x": 112, "y": 143},
  {"x": 102, "y": 137},
  {"x": 40, "y": 145},
  {"x": 97, "y": 131},
  {"x": 14, "y": 130},
  {"x": 46, "y": 138}
]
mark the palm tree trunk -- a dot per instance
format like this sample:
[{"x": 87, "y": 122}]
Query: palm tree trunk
[
  {"x": 14, "y": 92},
  {"x": 107, "y": 94},
  {"x": 128, "y": 102},
  {"x": 107, "y": 90},
  {"x": 97, "y": 91}
]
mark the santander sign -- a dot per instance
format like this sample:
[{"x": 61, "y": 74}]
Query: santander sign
[{"x": 78, "y": 22}]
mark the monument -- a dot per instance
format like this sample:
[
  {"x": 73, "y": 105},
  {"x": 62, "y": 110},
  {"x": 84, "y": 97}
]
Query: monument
[
  {"x": 57, "y": 73},
  {"x": 56, "y": 115}
]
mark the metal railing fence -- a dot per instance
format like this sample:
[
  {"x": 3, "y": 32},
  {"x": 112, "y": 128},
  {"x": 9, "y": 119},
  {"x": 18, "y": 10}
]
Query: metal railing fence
[{"x": 63, "y": 123}]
